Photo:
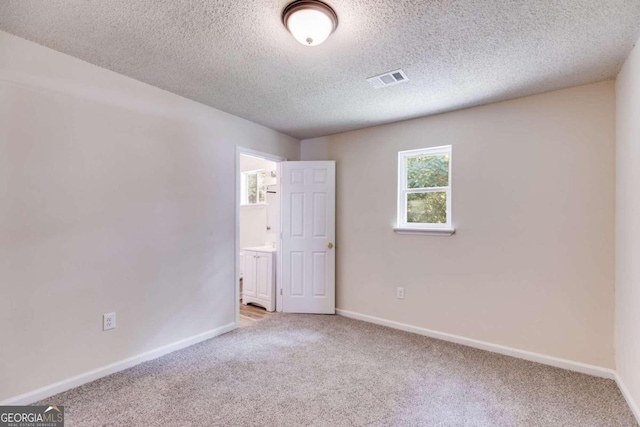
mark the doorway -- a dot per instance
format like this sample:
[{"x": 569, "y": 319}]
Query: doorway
[
  {"x": 257, "y": 235},
  {"x": 285, "y": 236}
]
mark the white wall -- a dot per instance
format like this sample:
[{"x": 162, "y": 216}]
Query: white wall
[
  {"x": 114, "y": 196},
  {"x": 628, "y": 226},
  {"x": 531, "y": 265}
]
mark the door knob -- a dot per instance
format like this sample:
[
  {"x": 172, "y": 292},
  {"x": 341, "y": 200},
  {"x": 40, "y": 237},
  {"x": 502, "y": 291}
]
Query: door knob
[{"x": 330, "y": 245}]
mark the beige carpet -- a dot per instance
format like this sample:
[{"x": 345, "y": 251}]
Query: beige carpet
[{"x": 300, "y": 370}]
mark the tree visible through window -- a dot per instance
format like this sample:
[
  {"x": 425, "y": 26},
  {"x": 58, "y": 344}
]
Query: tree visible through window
[
  {"x": 424, "y": 188},
  {"x": 253, "y": 187}
]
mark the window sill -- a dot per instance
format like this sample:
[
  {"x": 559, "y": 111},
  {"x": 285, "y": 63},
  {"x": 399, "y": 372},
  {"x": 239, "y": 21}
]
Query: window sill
[
  {"x": 425, "y": 231},
  {"x": 253, "y": 205}
]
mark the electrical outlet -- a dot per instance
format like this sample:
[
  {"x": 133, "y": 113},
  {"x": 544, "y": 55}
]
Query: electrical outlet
[
  {"x": 108, "y": 321},
  {"x": 400, "y": 293}
]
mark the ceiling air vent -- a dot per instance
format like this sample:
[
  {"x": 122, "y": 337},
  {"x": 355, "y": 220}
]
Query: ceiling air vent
[{"x": 388, "y": 79}]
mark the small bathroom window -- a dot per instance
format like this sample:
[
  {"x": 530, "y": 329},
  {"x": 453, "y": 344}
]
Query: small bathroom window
[{"x": 253, "y": 188}]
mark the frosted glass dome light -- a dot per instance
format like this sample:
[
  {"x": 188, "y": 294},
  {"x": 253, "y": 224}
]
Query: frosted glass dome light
[{"x": 310, "y": 22}]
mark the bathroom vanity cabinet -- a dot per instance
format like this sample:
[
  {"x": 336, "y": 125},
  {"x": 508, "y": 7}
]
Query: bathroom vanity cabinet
[{"x": 259, "y": 277}]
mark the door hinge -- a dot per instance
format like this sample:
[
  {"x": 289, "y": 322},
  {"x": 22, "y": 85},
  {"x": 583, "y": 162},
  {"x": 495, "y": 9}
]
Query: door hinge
[{"x": 280, "y": 291}]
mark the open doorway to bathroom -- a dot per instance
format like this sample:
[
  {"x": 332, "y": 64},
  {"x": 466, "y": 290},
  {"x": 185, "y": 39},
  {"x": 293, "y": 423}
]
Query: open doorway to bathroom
[{"x": 258, "y": 235}]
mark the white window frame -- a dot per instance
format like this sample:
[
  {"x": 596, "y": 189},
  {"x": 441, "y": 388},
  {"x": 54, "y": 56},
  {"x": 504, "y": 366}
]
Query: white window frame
[
  {"x": 244, "y": 193},
  {"x": 404, "y": 227}
]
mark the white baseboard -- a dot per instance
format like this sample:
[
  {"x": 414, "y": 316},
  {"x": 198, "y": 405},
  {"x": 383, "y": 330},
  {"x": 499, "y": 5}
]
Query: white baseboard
[
  {"x": 570, "y": 365},
  {"x": 627, "y": 396},
  {"x": 78, "y": 380}
]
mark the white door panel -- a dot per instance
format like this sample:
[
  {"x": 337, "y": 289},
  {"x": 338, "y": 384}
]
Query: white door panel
[
  {"x": 308, "y": 237},
  {"x": 248, "y": 280},
  {"x": 263, "y": 276}
]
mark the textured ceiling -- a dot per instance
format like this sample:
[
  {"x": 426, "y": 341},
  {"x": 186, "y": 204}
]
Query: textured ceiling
[{"x": 235, "y": 55}]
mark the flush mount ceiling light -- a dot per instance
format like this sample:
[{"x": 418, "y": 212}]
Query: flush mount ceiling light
[{"x": 309, "y": 21}]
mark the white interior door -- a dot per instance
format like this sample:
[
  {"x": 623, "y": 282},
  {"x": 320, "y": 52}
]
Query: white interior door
[{"x": 308, "y": 236}]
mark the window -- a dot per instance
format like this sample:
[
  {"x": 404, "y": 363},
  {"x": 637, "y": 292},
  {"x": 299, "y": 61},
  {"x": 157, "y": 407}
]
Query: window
[
  {"x": 424, "y": 190},
  {"x": 253, "y": 188}
]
